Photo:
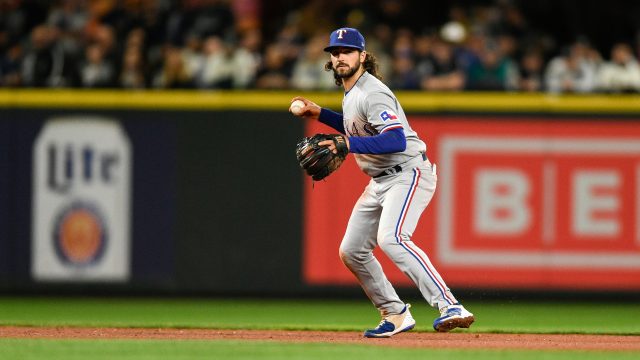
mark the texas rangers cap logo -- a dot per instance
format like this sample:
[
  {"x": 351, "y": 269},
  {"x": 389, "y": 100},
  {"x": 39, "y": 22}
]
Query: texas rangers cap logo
[
  {"x": 388, "y": 115},
  {"x": 346, "y": 37}
]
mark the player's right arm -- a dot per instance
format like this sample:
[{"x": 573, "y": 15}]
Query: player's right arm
[{"x": 313, "y": 111}]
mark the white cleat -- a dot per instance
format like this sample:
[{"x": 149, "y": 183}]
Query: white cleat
[
  {"x": 393, "y": 324},
  {"x": 453, "y": 316}
]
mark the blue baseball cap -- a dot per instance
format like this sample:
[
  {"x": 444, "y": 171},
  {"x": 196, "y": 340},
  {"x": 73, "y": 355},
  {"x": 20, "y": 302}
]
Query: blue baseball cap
[{"x": 346, "y": 37}]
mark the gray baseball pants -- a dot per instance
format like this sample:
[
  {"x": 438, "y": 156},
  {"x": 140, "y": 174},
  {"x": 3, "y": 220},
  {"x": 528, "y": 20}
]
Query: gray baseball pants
[{"x": 386, "y": 214}]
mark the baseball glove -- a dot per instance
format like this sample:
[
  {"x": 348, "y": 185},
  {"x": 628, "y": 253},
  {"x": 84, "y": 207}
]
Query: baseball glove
[{"x": 318, "y": 161}]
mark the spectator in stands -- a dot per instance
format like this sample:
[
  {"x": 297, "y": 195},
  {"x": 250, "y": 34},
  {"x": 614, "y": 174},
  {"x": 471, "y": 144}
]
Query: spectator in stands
[
  {"x": 571, "y": 71},
  {"x": 441, "y": 71},
  {"x": 380, "y": 43},
  {"x": 308, "y": 70},
  {"x": 105, "y": 13},
  {"x": 494, "y": 72},
  {"x": 290, "y": 42},
  {"x": 422, "y": 47},
  {"x": 621, "y": 73},
  {"x": 95, "y": 70},
  {"x": 203, "y": 18},
  {"x": 312, "y": 16},
  {"x": 105, "y": 37},
  {"x": 531, "y": 71},
  {"x": 247, "y": 59},
  {"x": 15, "y": 17},
  {"x": 71, "y": 17},
  {"x": 152, "y": 53},
  {"x": 467, "y": 53},
  {"x": 10, "y": 67},
  {"x": 404, "y": 75},
  {"x": 217, "y": 69},
  {"x": 148, "y": 15},
  {"x": 136, "y": 65},
  {"x": 194, "y": 58},
  {"x": 132, "y": 75},
  {"x": 507, "y": 46},
  {"x": 273, "y": 72},
  {"x": 591, "y": 55},
  {"x": 393, "y": 13},
  {"x": 514, "y": 31},
  {"x": 173, "y": 74},
  {"x": 359, "y": 14},
  {"x": 136, "y": 38},
  {"x": 46, "y": 63}
]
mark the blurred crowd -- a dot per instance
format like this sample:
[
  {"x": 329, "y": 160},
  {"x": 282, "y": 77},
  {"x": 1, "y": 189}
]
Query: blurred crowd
[{"x": 223, "y": 44}]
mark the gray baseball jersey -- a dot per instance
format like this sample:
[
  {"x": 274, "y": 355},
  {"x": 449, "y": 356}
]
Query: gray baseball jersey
[
  {"x": 370, "y": 108},
  {"x": 388, "y": 211}
]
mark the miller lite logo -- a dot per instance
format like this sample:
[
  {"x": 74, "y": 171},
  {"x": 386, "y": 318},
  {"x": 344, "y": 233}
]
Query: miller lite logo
[
  {"x": 81, "y": 201},
  {"x": 80, "y": 235}
]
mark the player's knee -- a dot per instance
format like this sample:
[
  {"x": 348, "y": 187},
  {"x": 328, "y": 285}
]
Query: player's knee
[
  {"x": 350, "y": 254},
  {"x": 347, "y": 254},
  {"x": 388, "y": 242}
]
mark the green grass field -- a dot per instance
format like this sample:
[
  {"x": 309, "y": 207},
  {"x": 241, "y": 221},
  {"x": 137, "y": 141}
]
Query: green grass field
[{"x": 505, "y": 317}]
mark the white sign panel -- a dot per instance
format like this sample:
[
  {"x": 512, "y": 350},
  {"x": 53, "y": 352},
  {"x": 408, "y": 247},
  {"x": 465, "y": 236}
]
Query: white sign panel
[{"x": 81, "y": 201}]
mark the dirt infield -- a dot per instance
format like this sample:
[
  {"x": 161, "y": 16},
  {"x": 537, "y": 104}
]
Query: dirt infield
[{"x": 409, "y": 340}]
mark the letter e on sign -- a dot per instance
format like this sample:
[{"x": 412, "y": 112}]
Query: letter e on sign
[{"x": 596, "y": 203}]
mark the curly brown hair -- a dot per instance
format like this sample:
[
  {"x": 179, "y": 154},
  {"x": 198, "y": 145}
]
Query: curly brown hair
[{"x": 370, "y": 64}]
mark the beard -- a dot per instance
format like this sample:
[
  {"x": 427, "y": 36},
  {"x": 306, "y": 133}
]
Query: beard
[{"x": 345, "y": 73}]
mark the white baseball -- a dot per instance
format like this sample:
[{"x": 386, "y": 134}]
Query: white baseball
[{"x": 296, "y": 107}]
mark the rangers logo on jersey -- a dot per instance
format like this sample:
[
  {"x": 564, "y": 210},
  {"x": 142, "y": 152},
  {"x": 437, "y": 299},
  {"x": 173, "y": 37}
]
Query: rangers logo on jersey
[{"x": 388, "y": 115}]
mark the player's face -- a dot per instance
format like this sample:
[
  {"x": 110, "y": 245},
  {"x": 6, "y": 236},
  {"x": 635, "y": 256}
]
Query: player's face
[{"x": 346, "y": 61}]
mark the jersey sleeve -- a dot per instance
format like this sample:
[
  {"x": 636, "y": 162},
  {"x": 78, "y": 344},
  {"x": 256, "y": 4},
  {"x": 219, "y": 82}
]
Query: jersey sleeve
[
  {"x": 389, "y": 142},
  {"x": 382, "y": 112},
  {"x": 331, "y": 118}
]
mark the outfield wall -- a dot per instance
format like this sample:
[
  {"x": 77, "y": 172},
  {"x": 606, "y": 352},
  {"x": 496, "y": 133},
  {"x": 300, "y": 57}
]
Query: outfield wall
[{"x": 199, "y": 192}]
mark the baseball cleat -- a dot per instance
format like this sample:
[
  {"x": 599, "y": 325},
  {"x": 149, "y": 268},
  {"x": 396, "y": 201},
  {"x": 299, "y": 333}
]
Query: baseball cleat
[
  {"x": 393, "y": 324},
  {"x": 453, "y": 316}
]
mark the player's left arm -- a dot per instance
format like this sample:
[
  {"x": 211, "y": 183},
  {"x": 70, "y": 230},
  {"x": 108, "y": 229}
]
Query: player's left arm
[
  {"x": 388, "y": 142},
  {"x": 381, "y": 113}
]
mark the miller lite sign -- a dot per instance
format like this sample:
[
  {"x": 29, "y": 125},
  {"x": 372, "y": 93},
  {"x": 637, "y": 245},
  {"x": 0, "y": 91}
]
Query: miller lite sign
[{"x": 81, "y": 201}]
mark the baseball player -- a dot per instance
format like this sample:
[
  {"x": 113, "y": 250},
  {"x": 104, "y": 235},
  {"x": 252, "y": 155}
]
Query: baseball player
[{"x": 402, "y": 183}]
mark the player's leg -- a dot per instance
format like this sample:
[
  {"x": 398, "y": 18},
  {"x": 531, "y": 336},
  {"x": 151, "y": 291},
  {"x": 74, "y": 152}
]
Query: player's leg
[
  {"x": 356, "y": 251},
  {"x": 404, "y": 201}
]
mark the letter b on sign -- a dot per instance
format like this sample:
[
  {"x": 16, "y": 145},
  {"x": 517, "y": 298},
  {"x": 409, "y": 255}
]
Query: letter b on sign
[{"x": 500, "y": 204}]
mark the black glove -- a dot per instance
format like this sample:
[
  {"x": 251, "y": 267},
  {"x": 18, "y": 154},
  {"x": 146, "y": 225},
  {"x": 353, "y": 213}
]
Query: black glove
[{"x": 318, "y": 161}]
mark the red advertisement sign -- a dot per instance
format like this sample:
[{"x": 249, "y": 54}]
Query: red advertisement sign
[{"x": 520, "y": 203}]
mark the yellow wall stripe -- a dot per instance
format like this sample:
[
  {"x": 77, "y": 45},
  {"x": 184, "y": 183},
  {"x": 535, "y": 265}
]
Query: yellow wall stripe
[{"x": 279, "y": 100}]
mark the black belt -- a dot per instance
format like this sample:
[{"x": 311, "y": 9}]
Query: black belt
[
  {"x": 396, "y": 169},
  {"x": 390, "y": 171}
]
